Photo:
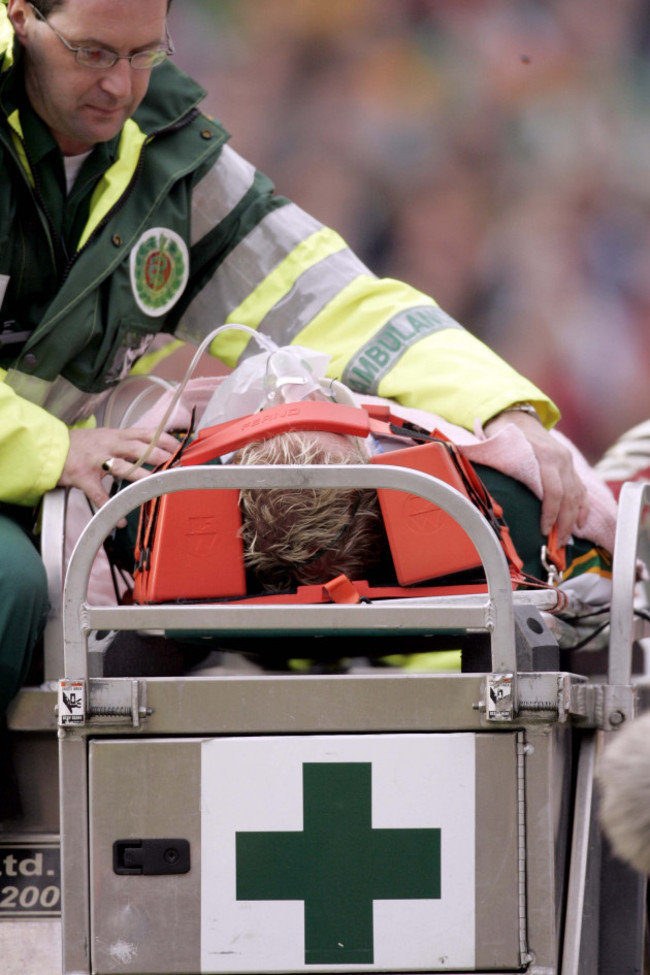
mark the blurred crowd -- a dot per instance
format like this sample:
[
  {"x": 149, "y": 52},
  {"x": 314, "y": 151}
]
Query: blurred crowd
[{"x": 494, "y": 153}]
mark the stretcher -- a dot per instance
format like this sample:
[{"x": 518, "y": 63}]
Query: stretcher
[{"x": 376, "y": 820}]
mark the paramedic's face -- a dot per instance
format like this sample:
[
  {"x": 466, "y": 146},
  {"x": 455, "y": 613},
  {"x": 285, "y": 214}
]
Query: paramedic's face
[{"x": 83, "y": 106}]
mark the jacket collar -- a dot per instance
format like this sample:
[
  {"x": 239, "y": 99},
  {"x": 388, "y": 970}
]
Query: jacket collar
[{"x": 171, "y": 95}]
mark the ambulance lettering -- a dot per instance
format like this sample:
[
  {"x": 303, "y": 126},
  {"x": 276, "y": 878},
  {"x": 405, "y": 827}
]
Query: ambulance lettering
[{"x": 365, "y": 371}]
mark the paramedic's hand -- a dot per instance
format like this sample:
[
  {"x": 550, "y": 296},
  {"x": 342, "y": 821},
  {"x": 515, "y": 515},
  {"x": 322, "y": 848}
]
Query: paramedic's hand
[
  {"x": 90, "y": 448},
  {"x": 564, "y": 498}
]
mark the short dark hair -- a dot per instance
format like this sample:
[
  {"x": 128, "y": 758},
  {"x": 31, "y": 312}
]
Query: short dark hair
[{"x": 47, "y": 7}]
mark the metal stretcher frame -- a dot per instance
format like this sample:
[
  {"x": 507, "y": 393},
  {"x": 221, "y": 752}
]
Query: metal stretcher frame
[
  {"x": 492, "y": 611},
  {"x": 544, "y": 705}
]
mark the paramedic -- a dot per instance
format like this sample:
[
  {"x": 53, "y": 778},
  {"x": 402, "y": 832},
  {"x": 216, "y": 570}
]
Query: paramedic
[{"x": 124, "y": 213}]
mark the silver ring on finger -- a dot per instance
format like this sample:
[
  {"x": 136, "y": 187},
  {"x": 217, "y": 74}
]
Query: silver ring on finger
[{"x": 107, "y": 465}]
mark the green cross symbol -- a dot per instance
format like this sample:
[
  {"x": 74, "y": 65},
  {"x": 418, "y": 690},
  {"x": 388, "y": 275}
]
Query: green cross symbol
[{"x": 338, "y": 865}]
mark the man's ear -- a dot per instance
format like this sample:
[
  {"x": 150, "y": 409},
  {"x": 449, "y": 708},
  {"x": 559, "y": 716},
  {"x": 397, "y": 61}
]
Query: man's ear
[{"x": 19, "y": 16}]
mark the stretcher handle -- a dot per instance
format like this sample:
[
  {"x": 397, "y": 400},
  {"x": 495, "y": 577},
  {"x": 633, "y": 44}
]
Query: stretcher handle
[
  {"x": 223, "y": 438},
  {"x": 635, "y": 495},
  {"x": 498, "y": 599}
]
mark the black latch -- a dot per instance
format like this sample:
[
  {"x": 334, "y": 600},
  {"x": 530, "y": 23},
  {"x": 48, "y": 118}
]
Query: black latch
[{"x": 151, "y": 857}]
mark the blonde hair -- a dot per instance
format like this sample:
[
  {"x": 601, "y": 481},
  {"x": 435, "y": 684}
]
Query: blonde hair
[
  {"x": 624, "y": 779},
  {"x": 306, "y": 536}
]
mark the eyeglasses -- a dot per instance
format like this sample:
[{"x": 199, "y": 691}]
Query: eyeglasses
[{"x": 101, "y": 58}]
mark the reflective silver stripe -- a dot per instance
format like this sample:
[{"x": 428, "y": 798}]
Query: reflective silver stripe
[
  {"x": 248, "y": 266},
  {"x": 311, "y": 293},
  {"x": 219, "y": 192},
  {"x": 60, "y": 397}
]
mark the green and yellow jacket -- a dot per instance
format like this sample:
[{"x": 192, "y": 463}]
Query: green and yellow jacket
[{"x": 168, "y": 229}]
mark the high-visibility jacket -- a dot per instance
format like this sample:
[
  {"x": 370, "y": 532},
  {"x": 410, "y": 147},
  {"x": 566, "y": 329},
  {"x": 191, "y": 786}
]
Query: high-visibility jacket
[{"x": 184, "y": 235}]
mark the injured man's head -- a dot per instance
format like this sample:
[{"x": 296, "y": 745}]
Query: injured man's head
[{"x": 295, "y": 537}]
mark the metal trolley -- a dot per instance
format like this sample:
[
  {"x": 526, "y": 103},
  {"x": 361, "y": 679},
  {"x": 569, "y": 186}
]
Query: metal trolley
[{"x": 372, "y": 821}]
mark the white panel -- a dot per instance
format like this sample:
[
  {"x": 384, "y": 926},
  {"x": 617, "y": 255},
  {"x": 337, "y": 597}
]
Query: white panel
[{"x": 256, "y": 785}]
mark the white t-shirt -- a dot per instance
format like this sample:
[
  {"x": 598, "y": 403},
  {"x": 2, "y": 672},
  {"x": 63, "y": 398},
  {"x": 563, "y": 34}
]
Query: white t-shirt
[{"x": 72, "y": 166}]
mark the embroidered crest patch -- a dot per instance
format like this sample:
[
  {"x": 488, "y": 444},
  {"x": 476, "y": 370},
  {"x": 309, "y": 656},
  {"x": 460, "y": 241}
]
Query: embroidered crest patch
[{"x": 160, "y": 267}]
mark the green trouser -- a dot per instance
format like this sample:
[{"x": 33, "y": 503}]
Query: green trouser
[{"x": 23, "y": 602}]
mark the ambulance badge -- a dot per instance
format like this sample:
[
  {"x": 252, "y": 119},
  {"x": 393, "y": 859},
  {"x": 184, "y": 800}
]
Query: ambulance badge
[{"x": 160, "y": 267}]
